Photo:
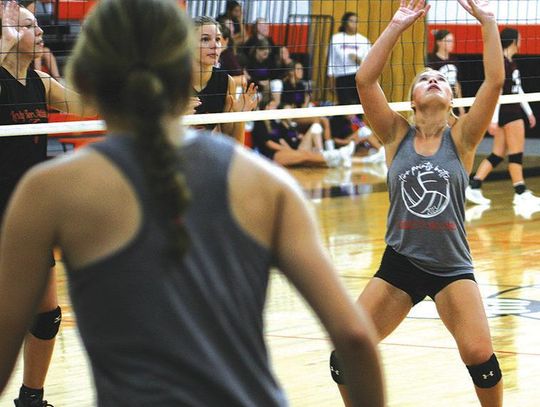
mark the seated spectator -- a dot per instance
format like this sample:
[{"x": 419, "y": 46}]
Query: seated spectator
[
  {"x": 295, "y": 93},
  {"x": 260, "y": 31},
  {"x": 228, "y": 59},
  {"x": 233, "y": 11},
  {"x": 347, "y": 129},
  {"x": 261, "y": 70},
  {"x": 280, "y": 141}
]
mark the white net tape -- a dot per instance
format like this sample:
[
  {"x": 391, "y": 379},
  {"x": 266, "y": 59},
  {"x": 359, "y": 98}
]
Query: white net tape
[{"x": 99, "y": 125}]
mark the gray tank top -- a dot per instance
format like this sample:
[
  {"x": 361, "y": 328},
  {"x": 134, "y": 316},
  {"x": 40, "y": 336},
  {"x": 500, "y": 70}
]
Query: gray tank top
[
  {"x": 426, "y": 216},
  {"x": 162, "y": 333}
]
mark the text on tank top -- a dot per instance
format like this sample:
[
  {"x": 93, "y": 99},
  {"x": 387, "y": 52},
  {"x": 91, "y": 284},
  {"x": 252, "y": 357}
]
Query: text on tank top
[
  {"x": 427, "y": 211},
  {"x": 21, "y": 104}
]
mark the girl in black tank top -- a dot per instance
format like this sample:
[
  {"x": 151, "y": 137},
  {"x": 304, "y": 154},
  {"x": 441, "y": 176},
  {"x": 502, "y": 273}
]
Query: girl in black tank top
[
  {"x": 214, "y": 88},
  {"x": 24, "y": 96}
]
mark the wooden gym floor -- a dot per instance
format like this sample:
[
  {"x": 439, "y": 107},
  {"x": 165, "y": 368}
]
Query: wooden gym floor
[{"x": 422, "y": 365}]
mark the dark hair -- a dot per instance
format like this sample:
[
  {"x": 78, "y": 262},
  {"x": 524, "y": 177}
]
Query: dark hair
[
  {"x": 438, "y": 36},
  {"x": 345, "y": 19},
  {"x": 231, "y": 5},
  {"x": 227, "y": 35},
  {"x": 221, "y": 19},
  {"x": 508, "y": 36},
  {"x": 134, "y": 60},
  {"x": 261, "y": 43}
]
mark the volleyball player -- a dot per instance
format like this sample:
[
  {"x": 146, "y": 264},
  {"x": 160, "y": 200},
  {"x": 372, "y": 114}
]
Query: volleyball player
[
  {"x": 427, "y": 253},
  {"x": 508, "y": 131},
  {"x": 24, "y": 96},
  {"x": 215, "y": 88},
  {"x": 168, "y": 236},
  {"x": 442, "y": 59}
]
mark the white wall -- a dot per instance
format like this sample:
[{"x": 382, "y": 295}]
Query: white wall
[
  {"x": 274, "y": 11},
  {"x": 507, "y": 12}
]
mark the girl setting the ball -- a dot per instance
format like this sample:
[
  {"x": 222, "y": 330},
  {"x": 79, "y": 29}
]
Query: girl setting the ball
[{"x": 429, "y": 162}]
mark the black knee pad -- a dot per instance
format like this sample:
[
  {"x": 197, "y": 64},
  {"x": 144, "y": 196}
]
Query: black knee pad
[
  {"x": 494, "y": 160},
  {"x": 47, "y": 324},
  {"x": 516, "y": 158},
  {"x": 335, "y": 369},
  {"x": 487, "y": 374}
]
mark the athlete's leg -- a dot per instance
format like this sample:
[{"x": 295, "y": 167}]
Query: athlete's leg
[
  {"x": 498, "y": 150},
  {"x": 38, "y": 352},
  {"x": 514, "y": 133},
  {"x": 387, "y": 306},
  {"x": 462, "y": 311}
]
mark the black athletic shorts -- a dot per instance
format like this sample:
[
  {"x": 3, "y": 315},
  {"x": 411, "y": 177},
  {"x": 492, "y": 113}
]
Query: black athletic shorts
[
  {"x": 6, "y": 189},
  {"x": 398, "y": 271},
  {"x": 346, "y": 90},
  {"x": 509, "y": 113}
]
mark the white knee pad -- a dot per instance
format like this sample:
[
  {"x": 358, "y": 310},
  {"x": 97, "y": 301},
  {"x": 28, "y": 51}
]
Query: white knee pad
[{"x": 316, "y": 128}]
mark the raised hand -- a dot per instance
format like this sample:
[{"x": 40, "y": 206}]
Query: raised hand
[
  {"x": 407, "y": 14},
  {"x": 480, "y": 9},
  {"x": 193, "y": 103},
  {"x": 248, "y": 100},
  {"x": 9, "y": 14}
]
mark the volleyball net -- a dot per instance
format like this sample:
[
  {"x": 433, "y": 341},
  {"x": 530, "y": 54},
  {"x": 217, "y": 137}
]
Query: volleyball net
[{"x": 302, "y": 32}]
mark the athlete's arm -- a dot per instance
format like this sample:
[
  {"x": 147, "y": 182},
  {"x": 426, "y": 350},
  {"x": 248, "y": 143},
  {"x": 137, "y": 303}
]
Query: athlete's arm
[
  {"x": 64, "y": 99},
  {"x": 471, "y": 127},
  {"x": 386, "y": 123},
  {"x": 26, "y": 243}
]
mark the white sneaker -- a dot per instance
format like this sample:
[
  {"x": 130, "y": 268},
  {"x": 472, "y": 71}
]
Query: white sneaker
[
  {"x": 329, "y": 145},
  {"x": 526, "y": 198},
  {"x": 346, "y": 154},
  {"x": 475, "y": 196},
  {"x": 333, "y": 158},
  {"x": 377, "y": 157}
]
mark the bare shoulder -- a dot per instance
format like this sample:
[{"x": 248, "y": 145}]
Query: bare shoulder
[
  {"x": 67, "y": 176},
  {"x": 261, "y": 173},
  {"x": 43, "y": 75},
  {"x": 259, "y": 190}
]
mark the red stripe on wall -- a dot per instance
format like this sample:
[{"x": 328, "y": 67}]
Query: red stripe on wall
[
  {"x": 296, "y": 38},
  {"x": 469, "y": 37},
  {"x": 77, "y": 9},
  {"x": 73, "y": 9}
]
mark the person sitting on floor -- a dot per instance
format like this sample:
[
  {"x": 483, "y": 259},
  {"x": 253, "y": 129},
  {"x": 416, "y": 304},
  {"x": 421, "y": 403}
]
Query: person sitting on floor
[{"x": 280, "y": 141}]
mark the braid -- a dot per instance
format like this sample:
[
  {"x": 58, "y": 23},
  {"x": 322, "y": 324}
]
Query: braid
[
  {"x": 144, "y": 98},
  {"x": 139, "y": 84}
]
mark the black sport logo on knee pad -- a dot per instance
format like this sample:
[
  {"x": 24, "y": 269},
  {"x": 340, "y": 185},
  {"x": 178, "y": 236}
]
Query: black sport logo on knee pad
[
  {"x": 47, "y": 324},
  {"x": 516, "y": 158},
  {"x": 487, "y": 374},
  {"x": 335, "y": 369}
]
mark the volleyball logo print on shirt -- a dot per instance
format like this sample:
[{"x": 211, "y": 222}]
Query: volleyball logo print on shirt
[{"x": 425, "y": 189}]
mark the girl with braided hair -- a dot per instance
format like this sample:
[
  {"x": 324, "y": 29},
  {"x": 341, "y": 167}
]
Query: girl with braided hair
[{"x": 167, "y": 264}]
